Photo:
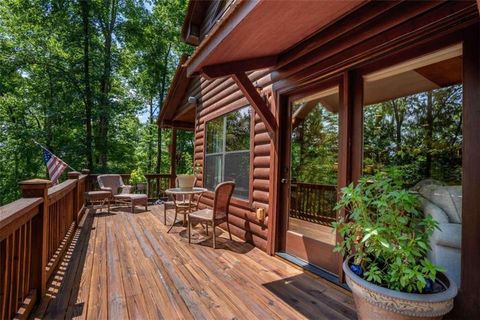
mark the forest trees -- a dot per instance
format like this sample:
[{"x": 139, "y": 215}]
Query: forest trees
[
  {"x": 416, "y": 137},
  {"x": 86, "y": 78}
]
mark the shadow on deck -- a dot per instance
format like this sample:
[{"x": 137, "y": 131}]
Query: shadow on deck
[{"x": 125, "y": 266}]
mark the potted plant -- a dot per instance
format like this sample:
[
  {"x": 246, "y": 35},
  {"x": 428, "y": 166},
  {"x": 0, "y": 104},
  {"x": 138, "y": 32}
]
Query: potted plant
[{"x": 384, "y": 236}]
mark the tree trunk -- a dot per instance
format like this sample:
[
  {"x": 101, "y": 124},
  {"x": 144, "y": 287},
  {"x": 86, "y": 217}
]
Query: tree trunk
[
  {"x": 86, "y": 78},
  {"x": 163, "y": 87},
  {"x": 150, "y": 137},
  {"x": 105, "y": 84},
  {"x": 399, "y": 117},
  {"x": 429, "y": 135}
]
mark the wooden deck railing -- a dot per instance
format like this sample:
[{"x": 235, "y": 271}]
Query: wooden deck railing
[
  {"x": 156, "y": 184},
  {"x": 34, "y": 232},
  {"x": 313, "y": 202}
]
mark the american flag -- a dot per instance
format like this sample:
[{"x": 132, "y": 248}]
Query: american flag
[{"x": 54, "y": 164}]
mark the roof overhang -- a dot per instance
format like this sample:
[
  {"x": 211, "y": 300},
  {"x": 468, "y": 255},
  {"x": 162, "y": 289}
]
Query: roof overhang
[
  {"x": 251, "y": 34},
  {"x": 173, "y": 113}
]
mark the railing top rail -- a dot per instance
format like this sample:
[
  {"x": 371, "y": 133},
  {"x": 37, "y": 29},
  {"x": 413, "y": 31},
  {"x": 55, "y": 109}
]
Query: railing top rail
[
  {"x": 57, "y": 192},
  {"x": 83, "y": 177},
  {"x": 314, "y": 185},
  {"x": 11, "y": 214},
  {"x": 160, "y": 175}
]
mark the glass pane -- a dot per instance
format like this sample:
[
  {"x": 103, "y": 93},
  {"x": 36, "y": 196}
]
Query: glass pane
[
  {"x": 413, "y": 130},
  {"x": 314, "y": 166},
  {"x": 215, "y": 135},
  {"x": 237, "y": 166},
  {"x": 213, "y": 171},
  {"x": 238, "y": 130}
]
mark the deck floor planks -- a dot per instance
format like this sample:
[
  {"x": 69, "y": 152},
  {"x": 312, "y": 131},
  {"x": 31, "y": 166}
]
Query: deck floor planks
[
  {"x": 132, "y": 269},
  {"x": 78, "y": 305},
  {"x": 117, "y": 305},
  {"x": 98, "y": 296}
]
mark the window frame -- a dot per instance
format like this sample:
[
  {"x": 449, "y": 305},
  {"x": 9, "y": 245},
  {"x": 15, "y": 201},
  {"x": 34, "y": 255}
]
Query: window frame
[{"x": 247, "y": 202}]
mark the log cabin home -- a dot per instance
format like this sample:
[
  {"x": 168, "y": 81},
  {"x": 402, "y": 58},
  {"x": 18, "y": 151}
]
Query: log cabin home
[
  {"x": 267, "y": 77},
  {"x": 292, "y": 100}
]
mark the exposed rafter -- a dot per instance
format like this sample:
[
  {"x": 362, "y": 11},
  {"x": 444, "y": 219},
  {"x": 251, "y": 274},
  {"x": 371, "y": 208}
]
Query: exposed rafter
[
  {"x": 223, "y": 69},
  {"x": 257, "y": 102}
]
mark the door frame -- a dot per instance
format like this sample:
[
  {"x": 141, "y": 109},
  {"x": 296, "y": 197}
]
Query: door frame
[{"x": 345, "y": 82}]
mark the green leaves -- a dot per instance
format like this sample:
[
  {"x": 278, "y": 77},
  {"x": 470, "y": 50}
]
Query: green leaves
[{"x": 386, "y": 233}]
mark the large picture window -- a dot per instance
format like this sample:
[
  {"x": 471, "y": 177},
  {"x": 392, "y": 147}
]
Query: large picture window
[
  {"x": 413, "y": 131},
  {"x": 227, "y": 153}
]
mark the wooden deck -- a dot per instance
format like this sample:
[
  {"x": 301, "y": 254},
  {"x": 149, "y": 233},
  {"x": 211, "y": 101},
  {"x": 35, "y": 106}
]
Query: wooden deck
[{"x": 125, "y": 266}]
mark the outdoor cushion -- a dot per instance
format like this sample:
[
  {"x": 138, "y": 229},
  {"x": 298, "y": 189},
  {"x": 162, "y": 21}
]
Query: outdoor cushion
[
  {"x": 131, "y": 196},
  {"x": 204, "y": 214},
  {"x": 448, "y": 198},
  {"x": 450, "y": 235}
]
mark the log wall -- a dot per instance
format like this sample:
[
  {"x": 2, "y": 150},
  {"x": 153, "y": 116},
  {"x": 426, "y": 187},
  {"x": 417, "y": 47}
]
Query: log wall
[{"x": 216, "y": 98}]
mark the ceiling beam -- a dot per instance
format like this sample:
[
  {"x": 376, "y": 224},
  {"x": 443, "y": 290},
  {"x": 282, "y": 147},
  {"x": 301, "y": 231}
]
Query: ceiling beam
[
  {"x": 188, "y": 126},
  {"x": 257, "y": 102},
  {"x": 224, "y": 69}
]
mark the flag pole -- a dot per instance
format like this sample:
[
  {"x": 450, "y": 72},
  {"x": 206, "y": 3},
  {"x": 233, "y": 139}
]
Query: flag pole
[{"x": 41, "y": 146}]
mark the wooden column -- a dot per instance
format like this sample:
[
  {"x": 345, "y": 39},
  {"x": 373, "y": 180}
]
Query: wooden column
[
  {"x": 468, "y": 300},
  {"x": 350, "y": 137},
  {"x": 88, "y": 183},
  {"x": 76, "y": 196},
  {"x": 173, "y": 158},
  {"x": 38, "y": 188},
  {"x": 273, "y": 214}
]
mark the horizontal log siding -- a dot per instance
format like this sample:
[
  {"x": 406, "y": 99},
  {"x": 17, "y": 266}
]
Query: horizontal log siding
[{"x": 217, "y": 97}]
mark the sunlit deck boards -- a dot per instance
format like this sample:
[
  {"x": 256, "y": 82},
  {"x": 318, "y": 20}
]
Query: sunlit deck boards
[{"x": 125, "y": 266}]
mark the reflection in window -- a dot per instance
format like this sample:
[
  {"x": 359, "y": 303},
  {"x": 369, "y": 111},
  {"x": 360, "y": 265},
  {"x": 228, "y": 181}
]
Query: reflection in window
[
  {"x": 227, "y": 156},
  {"x": 314, "y": 165},
  {"x": 413, "y": 130}
]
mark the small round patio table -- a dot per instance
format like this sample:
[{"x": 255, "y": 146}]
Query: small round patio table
[{"x": 183, "y": 205}]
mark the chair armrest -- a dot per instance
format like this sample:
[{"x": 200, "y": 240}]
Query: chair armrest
[
  {"x": 106, "y": 189},
  {"x": 449, "y": 235},
  {"x": 126, "y": 188},
  {"x": 198, "y": 201},
  {"x": 436, "y": 212}
]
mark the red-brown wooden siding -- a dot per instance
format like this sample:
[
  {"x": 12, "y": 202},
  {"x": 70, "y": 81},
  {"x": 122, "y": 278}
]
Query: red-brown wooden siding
[{"x": 217, "y": 97}]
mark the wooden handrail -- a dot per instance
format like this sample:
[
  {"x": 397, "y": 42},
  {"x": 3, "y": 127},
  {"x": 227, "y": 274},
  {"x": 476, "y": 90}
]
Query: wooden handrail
[
  {"x": 34, "y": 233},
  {"x": 59, "y": 191},
  {"x": 313, "y": 202},
  {"x": 14, "y": 214}
]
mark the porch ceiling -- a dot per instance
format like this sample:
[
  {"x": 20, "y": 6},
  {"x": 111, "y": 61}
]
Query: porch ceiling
[{"x": 255, "y": 32}]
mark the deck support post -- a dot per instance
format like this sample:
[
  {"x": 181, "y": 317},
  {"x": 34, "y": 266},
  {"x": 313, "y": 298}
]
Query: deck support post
[
  {"x": 38, "y": 188},
  {"x": 173, "y": 158},
  {"x": 468, "y": 300},
  {"x": 257, "y": 102}
]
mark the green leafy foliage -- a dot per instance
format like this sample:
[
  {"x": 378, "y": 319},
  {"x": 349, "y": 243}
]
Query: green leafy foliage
[
  {"x": 45, "y": 89},
  {"x": 386, "y": 233}
]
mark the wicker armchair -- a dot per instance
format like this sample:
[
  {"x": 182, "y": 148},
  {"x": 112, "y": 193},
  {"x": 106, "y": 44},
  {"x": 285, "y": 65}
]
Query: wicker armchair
[
  {"x": 113, "y": 183},
  {"x": 121, "y": 193},
  {"x": 217, "y": 215}
]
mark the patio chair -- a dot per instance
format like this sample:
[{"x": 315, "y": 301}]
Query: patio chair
[
  {"x": 217, "y": 215},
  {"x": 121, "y": 193},
  {"x": 181, "y": 204}
]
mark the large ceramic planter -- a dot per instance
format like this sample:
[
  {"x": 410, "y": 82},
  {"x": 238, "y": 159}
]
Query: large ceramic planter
[
  {"x": 374, "y": 302},
  {"x": 186, "y": 181}
]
